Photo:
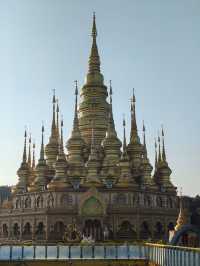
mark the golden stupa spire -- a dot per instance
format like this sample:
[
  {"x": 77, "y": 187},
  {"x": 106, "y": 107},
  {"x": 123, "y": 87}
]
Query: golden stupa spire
[
  {"x": 182, "y": 218},
  {"x": 52, "y": 147},
  {"x": 61, "y": 146},
  {"x": 111, "y": 142},
  {"x": 41, "y": 169},
  {"x": 156, "y": 155},
  {"x": 163, "y": 146},
  {"x": 144, "y": 140},
  {"x": 124, "y": 136},
  {"x": 42, "y": 146},
  {"x": 75, "y": 124},
  {"x": 53, "y": 126},
  {"x": 24, "y": 152},
  {"x": 134, "y": 138},
  {"x": 33, "y": 156},
  {"x": 111, "y": 122},
  {"x": 124, "y": 155},
  {"x": 24, "y": 171},
  {"x": 94, "y": 60},
  {"x": 159, "y": 151},
  {"x": 29, "y": 151},
  {"x": 75, "y": 143},
  {"x": 57, "y": 118}
]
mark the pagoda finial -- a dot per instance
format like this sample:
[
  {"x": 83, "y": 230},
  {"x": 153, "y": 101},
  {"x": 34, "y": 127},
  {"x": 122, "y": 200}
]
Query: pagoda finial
[
  {"x": 159, "y": 151},
  {"x": 182, "y": 217},
  {"x": 24, "y": 153},
  {"x": 163, "y": 146},
  {"x": 94, "y": 60},
  {"x": 29, "y": 151},
  {"x": 124, "y": 135},
  {"x": 94, "y": 28},
  {"x": 76, "y": 105},
  {"x": 144, "y": 139},
  {"x": 61, "y": 137},
  {"x": 53, "y": 126},
  {"x": 111, "y": 124},
  {"x": 42, "y": 145},
  {"x": 134, "y": 138},
  {"x": 110, "y": 92},
  {"x": 57, "y": 117},
  {"x": 156, "y": 154},
  {"x": 33, "y": 159}
]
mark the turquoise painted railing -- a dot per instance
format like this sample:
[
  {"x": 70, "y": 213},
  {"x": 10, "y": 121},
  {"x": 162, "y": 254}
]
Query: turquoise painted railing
[
  {"x": 162, "y": 255},
  {"x": 165, "y": 255},
  {"x": 60, "y": 252}
]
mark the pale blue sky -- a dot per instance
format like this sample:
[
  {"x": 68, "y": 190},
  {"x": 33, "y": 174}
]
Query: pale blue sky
[{"x": 153, "y": 46}]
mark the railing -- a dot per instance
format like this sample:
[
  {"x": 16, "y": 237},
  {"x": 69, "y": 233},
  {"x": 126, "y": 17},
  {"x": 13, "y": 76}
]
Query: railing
[
  {"x": 164, "y": 255},
  {"x": 161, "y": 255},
  {"x": 62, "y": 252}
]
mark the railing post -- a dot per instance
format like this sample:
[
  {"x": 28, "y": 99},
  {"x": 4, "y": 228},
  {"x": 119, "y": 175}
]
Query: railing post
[
  {"x": 45, "y": 251},
  {"x": 174, "y": 256},
  {"x": 10, "y": 252},
  {"x": 57, "y": 252},
  {"x": 181, "y": 260},
  {"x": 34, "y": 252},
  {"x": 81, "y": 252},
  {"x": 184, "y": 260},
  {"x": 194, "y": 258},
  {"x": 104, "y": 252},
  {"x": 69, "y": 252},
  {"x": 93, "y": 249},
  {"x": 128, "y": 253},
  {"x": 22, "y": 252}
]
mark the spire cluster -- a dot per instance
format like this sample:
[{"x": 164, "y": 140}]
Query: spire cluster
[{"x": 99, "y": 161}]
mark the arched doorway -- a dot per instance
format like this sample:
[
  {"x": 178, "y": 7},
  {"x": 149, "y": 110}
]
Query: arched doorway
[
  {"x": 145, "y": 232},
  {"x": 40, "y": 231},
  {"x": 126, "y": 231},
  {"x": 159, "y": 231},
  {"x": 16, "y": 231},
  {"x": 93, "y": 208},
  {"x": 58, "y": 230},
  {"x": 27, "y": 233},
  {"x": 93, "y": 228}
]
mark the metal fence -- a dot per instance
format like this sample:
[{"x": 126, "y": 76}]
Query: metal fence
[
  {"x": 14, "y": 253},
  {"x": 164, "y": 255}
]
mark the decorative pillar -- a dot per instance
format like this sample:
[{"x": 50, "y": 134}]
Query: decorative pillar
[
  {"x": 33, "y": 229},
  {"x": 47, "y": 229}
]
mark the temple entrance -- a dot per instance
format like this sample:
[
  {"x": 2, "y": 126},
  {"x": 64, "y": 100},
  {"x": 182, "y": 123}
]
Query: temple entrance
[{"x": 93, "y": 228}]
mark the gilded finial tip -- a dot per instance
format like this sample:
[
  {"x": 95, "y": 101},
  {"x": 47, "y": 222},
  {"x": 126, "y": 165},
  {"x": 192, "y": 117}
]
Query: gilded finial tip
[
  {"x": 143, "y": 127},
  {"x": 163, "y": 134},
  {"x": 94, "y": 30},
  {"x": 110, "y": 82},
  {"x": 124, "y": 121},
  {"x": 54, "y": 96},
  {"x": 76, "y": 87},
  {"x": 29, "y": 138}
]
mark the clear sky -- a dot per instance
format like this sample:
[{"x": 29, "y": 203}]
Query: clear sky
[{"x": 153, "y": 46}]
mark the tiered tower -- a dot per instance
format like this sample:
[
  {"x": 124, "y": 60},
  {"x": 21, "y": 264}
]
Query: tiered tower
[{"x": 96, "y": 183}]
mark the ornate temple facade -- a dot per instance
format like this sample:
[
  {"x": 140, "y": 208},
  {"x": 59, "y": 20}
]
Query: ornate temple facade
[{"x": 99, "y": 186}]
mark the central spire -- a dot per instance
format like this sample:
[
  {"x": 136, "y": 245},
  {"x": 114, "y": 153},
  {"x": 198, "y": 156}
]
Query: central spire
[
  {"x": 94, "y": 75},
  {"x": 93, "y": 104},
  {"x": 94, "y": 60}
]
